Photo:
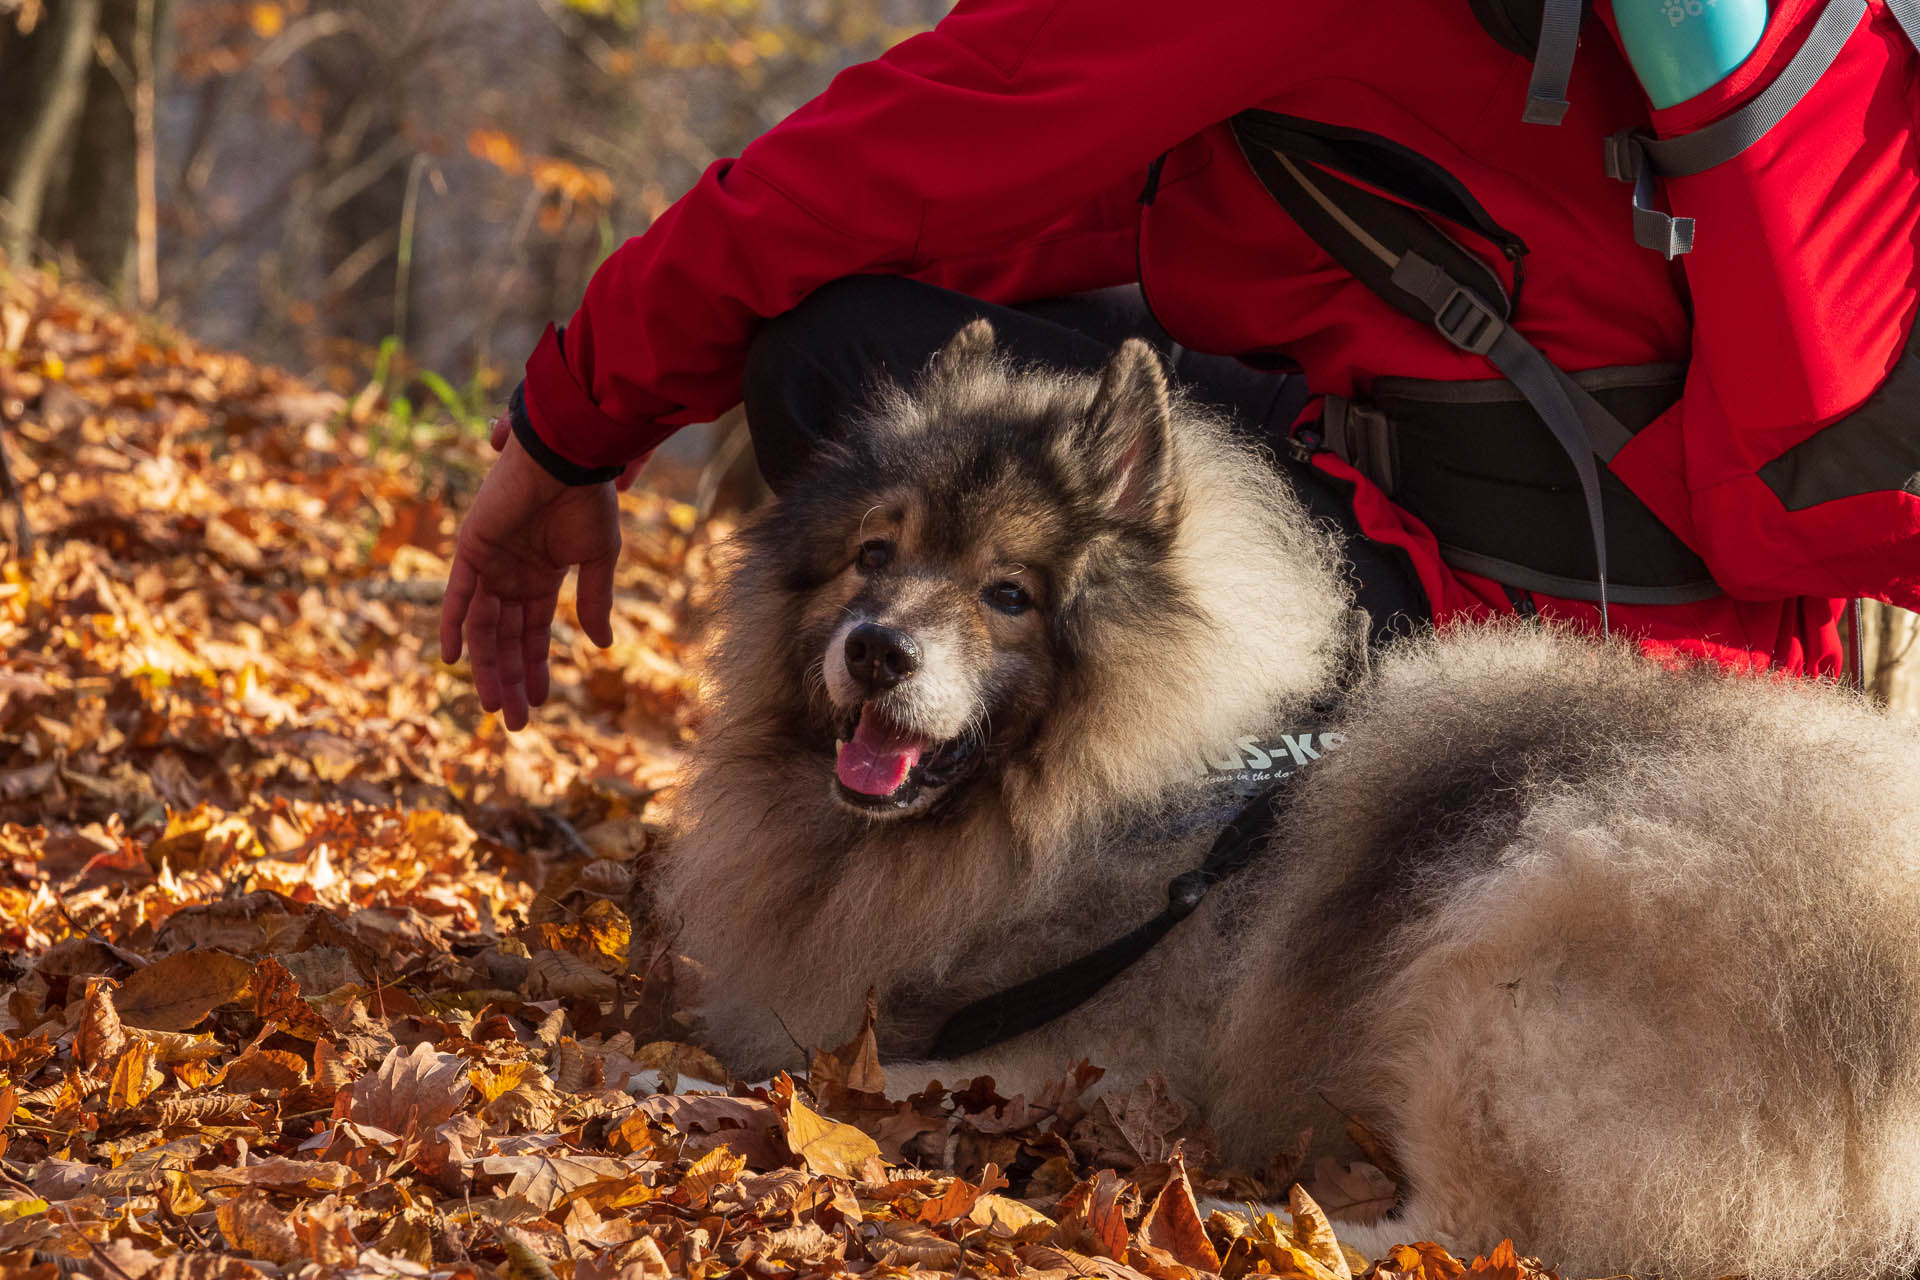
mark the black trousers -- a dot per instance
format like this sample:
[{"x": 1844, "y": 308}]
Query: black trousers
[{"x": 810, "y": 368}]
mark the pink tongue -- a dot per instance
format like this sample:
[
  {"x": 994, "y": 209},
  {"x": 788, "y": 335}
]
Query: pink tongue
[{"x": 878, "y": 759}]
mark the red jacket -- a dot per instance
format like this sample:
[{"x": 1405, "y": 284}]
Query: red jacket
[{"x": 1002, "y": 153}]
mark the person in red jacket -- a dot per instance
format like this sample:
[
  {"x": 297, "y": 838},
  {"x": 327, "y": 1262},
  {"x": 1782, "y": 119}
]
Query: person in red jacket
[{"x": 1041, "y": 149}]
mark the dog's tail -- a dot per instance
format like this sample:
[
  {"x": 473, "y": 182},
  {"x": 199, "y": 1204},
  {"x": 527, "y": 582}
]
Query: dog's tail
[{"x": 1635, "y": 1047}]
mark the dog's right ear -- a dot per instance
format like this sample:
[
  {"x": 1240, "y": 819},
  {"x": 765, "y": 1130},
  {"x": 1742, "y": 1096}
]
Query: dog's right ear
[
  {"x": 1123, "y": 444},
  {"x": 970, "y": 347}
]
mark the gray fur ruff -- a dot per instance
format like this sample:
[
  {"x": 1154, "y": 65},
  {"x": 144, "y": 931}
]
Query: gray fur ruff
[{"x": 1622, "y": 960}]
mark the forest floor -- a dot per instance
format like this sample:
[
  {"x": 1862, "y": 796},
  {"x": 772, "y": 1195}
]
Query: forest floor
[{"x": 307, "y": 967}]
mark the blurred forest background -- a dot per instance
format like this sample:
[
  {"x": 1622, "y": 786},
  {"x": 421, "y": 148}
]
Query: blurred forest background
[
  {"x": 393, "y": 197},
  {"x": 394, "y": 187}
]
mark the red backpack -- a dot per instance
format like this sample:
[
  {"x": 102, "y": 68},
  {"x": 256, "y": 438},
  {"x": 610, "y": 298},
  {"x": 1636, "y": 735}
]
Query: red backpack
[{"x": 1794, "y": 193}]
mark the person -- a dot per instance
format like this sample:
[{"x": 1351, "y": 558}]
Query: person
[{"x": 1082, "y": 170}]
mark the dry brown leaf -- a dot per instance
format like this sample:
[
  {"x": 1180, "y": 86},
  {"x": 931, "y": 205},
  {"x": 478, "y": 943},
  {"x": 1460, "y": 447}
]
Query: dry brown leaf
[
  {"x": 914, "y": 1244},
  {"x": 1091, "y": 1217},
  {"x": 1314, "y": 1234},
  {"x": 568, "y": 976},
  {"x": 410, "y": 1092},
  {"x": 1006, "y": 1219},
  {"x": 715, "y": 1169},
  {"x": 1424, "y": 1260},
  {"x": 98, "y": 1038},
  {"x": 134, "y": 1075},
  {"x": 253, "y": 1227},
  {"x": 827, "y": 1146},
  {"x": 1357, "y": 1193},
  {"x": 1173, "y": 1223},
  {"x": 278, "y": 1173},
  {"x": 175, "y": 993},
  {"x": 675, "y": 1061},
  {"x": 260, "y": 1070},
  {"x": 544, "y": 1180}
]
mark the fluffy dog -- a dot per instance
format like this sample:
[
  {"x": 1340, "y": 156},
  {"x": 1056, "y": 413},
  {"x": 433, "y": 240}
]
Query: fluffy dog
[{"x": 1622, "y": 960}]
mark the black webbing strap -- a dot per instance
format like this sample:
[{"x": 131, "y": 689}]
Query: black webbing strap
[
  {"x": 1038, "y": 1001},
  {"x": 1553, "y": 61},
  {"x": 1364, "y": 239},
  {"x": 1637, "y": 157}
]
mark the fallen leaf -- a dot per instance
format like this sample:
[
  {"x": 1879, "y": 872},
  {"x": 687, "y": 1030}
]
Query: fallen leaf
[
  {"x": 175, "y": 993},
  {"x": 827, "y": 1146},
  {"x": 1356, "y": 1193}
]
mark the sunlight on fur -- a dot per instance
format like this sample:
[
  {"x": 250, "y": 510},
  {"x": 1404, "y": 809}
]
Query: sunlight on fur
[{"x": 1621, "y": 960}]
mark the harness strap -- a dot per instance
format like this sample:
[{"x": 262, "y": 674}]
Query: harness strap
[
  {"x": 1038, "y": 1001},
  {"x": 1636, "y": 156},
  {"x": 1553, "y": 61},
  {"x": 1422, "y": 288}
]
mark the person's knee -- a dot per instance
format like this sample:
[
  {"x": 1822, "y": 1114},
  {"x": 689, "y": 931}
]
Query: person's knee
[{"x": 839, "y": 314}]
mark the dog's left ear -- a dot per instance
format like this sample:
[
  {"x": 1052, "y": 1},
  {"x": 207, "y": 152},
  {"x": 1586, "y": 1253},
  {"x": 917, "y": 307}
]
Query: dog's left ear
[
  {"x": 973, "y": 345},
  {"x": 1123, "y": 443}
]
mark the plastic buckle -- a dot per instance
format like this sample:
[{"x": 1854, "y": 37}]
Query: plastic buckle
[
  {"x": 1467, "y": 322},
  {"x": 1623, "y": 156}
]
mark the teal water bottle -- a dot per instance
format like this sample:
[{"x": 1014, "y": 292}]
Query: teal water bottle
[{"x": 1682, "y": 47}]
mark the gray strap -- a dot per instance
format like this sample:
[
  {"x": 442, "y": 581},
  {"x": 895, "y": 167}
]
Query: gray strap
[
  {"x": 1553, "y": 584},
  {"x": 1467, "y": 322},
  {"x": 1907, "y": 14},
  {"x": 1637, "y": 157},
  {"x": 1653, "y": 228},
  {"x": 1727, "y": 137},
  {"x": 1553, "y": 61}
]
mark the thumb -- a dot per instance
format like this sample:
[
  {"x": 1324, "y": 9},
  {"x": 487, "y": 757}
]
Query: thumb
[{"x": 594, "y": 600}]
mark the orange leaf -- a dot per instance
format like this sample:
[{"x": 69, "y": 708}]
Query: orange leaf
[{"x": 1173, "y": 1223}]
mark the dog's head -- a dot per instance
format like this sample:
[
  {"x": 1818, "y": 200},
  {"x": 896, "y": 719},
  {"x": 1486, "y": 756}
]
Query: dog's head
[{"x": 942, "y": 575}]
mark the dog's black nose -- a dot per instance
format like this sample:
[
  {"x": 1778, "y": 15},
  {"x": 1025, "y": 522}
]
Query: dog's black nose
[{"x": 881, "y": 657}]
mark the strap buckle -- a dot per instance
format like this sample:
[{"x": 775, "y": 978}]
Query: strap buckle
[
  {"x": 1465, "y": 320},
  {"x": 1623, "y": 155}
]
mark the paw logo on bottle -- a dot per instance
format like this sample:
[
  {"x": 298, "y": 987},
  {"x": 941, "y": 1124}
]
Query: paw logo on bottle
[{"x": 1680, "y": 48}]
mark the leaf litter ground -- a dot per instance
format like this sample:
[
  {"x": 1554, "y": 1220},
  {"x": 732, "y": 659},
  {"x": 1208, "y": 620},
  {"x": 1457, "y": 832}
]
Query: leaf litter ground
[{"x": 308, "y": 968}]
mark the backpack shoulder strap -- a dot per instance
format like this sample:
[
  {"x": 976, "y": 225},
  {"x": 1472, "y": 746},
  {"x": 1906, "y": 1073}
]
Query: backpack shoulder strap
[
  {"x": 1546, "y": 32},
  {"x": 1419, "y": 270}
]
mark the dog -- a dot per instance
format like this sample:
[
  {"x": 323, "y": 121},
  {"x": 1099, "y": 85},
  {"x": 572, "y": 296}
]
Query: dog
[{"x": 1620, "y": 959}]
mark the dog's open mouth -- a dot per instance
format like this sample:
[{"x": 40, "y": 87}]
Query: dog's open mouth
[{"x": 881, "y": 766}]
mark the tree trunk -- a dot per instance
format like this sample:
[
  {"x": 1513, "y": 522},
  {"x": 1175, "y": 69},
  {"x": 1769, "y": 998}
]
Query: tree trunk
[
  {"x": 54, "y": 102},
  {"x": 1893, "y": 657}
]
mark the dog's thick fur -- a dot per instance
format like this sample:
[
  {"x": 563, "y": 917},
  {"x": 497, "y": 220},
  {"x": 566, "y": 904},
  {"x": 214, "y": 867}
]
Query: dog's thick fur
[{"x": 1622, "y": 960}]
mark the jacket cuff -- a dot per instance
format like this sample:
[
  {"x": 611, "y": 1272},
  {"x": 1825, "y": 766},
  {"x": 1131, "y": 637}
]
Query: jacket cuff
[
  {"x": 558, "y": 423},
  {"x": 561, "y": 469}
]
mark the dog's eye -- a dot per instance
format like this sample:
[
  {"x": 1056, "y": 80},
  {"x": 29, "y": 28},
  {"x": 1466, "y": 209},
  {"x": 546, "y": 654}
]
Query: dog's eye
[
  {"x": 1009, "y": 597},
  {"x": 874, "y": 555}
]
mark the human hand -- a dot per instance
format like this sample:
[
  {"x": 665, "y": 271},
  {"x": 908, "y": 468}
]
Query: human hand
[{"x": 523, "y": 533}]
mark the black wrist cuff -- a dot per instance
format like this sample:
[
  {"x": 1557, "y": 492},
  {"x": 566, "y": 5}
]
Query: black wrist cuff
[{"x": 562, "y": 469}]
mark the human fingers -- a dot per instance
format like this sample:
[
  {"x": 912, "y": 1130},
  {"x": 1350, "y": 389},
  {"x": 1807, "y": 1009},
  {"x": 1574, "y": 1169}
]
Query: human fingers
[
  {"x": 513, "y": 672},
  {"x": 483, "y": 646},
  {"x": 594, "y": 600},
  {"x": 536, "y": 640},
  {"x": 498, "y": 431},
  {"x": 461, "y": 581}
]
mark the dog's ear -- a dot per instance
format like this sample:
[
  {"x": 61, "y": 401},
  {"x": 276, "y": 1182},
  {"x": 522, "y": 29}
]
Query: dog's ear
[
  {"x": 970, "y": 347},
  {"x": 1123, "y": 443}
]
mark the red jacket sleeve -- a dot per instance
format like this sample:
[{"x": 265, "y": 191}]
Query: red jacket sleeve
[
  {"x": 1792, "y": 459},
  {"x": 998, "y": 154}
]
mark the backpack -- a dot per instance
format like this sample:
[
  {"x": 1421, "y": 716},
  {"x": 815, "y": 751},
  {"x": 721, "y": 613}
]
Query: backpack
[{"x": 1372, "y": 206}]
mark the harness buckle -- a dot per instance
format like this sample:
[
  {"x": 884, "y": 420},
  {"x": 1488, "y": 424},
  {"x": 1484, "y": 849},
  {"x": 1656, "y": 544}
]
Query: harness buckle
[{"x": 1466, "y": 321}]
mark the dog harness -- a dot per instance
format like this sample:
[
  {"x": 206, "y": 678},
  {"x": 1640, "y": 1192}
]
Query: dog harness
[{"x": 1038, "y": 1001}]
